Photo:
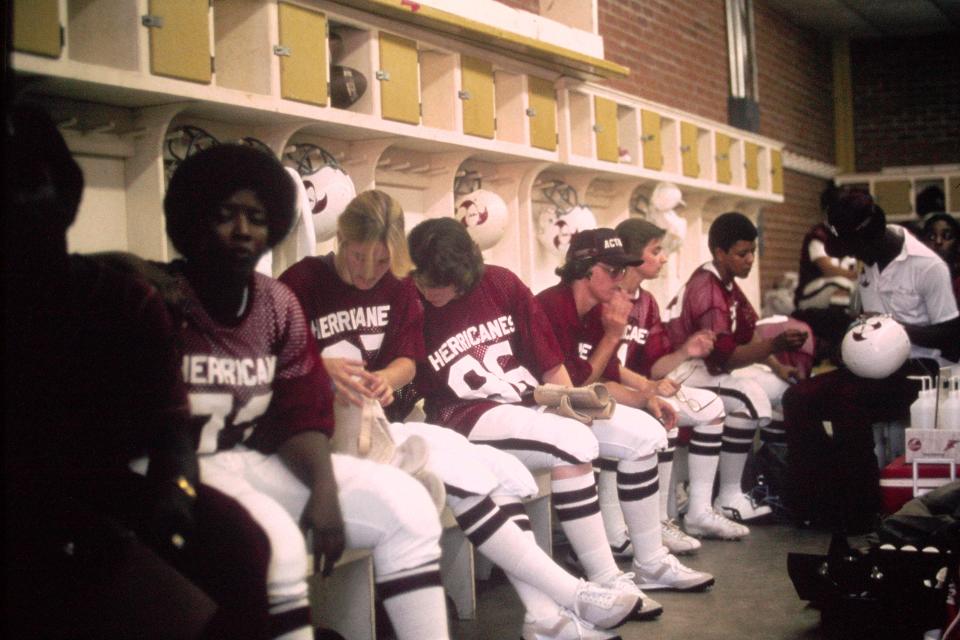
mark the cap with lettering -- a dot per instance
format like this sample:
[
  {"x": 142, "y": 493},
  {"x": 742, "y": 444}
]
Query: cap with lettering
[{"x": 601, "y": 245}]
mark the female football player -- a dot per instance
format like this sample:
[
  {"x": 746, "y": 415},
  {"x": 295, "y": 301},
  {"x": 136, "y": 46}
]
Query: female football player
[
  {"x": 368, "y": 325},
  {"x": 648, "y": 351},
  {"x": 261, "y": 403}
]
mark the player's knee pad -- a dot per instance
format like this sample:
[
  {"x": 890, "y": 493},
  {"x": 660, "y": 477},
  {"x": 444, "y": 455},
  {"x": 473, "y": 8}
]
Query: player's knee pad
[
  {"x": 697, "y": 406},
  {"x": 541, "y": 440},
  {"x": 629, "y": 434},
  {"x": 387, "y": 510}
]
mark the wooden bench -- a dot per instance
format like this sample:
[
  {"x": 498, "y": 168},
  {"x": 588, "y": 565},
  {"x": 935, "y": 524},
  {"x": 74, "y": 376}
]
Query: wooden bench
[{"x": 345, "y": 601}]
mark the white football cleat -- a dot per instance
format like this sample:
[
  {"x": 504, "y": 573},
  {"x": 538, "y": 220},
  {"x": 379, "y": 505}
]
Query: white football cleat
[
  {"x": 563, "y": 626},
  {"x": 647, "y": 608},
  {"x": 710, "y": 523},
  {"x": 741, "y": 508},
  {"x": 675, "y": 540},
  {"x": 664, "y": 571},
  {"x": 604, "y": 607}
]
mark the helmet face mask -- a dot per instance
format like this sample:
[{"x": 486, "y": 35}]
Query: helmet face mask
[{"x": 328, "y": 187}]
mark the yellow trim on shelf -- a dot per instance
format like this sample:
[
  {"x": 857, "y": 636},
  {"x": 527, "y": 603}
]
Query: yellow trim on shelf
[{"x": 490, "y": 37}]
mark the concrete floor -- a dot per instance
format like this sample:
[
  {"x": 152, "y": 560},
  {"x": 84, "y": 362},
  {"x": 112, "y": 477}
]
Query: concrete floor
[{"x": 752, "y": 599}]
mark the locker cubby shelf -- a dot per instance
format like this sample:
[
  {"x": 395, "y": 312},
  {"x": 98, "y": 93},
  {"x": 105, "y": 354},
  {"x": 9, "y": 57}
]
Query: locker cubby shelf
[
  {"x": 448, "y": 105},
  {"x": 895, "y": 189}
]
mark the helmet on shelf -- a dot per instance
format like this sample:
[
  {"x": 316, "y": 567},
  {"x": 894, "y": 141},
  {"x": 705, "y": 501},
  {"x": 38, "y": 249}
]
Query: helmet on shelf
[
  {"x": 485, "y": 216},
  {"x": 329, "y": 189}
]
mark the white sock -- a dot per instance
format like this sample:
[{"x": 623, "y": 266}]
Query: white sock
[
  {"x": 738, "y": 432},
  {"x": 415, "y": 602},
  {"x": 702, "y": 459},
  {"x": 578, "y": 510},
  {"x": 665, "y": 471},
  {"x": 610, "y": 511},
  {"x": 502, "y": 533},
  {"x": 639, "y": 498}
]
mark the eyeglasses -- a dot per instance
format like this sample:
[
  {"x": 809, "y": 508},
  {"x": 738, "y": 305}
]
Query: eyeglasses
[
  {"x": 615, "y": 273},
  {"x": 692, "y": 404}
]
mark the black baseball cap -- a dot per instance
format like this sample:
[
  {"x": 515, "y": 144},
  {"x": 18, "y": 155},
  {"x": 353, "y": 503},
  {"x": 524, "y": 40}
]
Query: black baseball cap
[{"x": 601, "y": 245}]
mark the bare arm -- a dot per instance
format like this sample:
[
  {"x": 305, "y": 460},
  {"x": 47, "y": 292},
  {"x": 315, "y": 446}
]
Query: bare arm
[
  {"x": 698, "y": 345},
  {"x": 614, "y": 319},
  {"x": 399, "y": 372},
  {"x": 759, "y": 349},
  {"x": 307, "y": 454},
  {"x": 558, "y": 375}
]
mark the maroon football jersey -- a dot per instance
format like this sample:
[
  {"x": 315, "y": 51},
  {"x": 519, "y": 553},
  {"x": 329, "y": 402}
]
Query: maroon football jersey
[
  {"x": 705, "y": 303},
  {"x": 377, "y": 326},
  {"x": 809, "y": 271},
  {"x": 645, "y": 338},
  {"x": 577, "y": 336},
  {"x": 258, "y": 382},
  {"x": 491, "y": 345}
]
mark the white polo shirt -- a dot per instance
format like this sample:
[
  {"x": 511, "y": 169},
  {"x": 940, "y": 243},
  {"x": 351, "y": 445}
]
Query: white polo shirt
[{"x": 915, "y": 289}]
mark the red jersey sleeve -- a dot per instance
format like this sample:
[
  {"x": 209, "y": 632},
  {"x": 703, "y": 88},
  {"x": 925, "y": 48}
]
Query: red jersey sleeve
[
  {"x": 646, "y": 335},
  {"x": 302, "y": 397}
]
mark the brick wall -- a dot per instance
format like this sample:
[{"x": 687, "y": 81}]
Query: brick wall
[
  {"x": 906, "y": 101},
  {"x": 784, "y": 225},
  {"x": 795, "y": 79},
  {"x": 676, "y": 51}
]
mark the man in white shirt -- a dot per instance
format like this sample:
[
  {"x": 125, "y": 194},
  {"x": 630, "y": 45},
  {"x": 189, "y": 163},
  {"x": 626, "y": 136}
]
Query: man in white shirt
[{"x": 901, "y": 278}]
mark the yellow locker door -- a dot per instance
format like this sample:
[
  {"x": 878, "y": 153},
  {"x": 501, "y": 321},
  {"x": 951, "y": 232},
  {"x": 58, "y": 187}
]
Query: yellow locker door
[
  {"x": 303, "y": 54},
  {"x": 605, "y": 126},
  {"x": 751, "y": 153},
  {"x": 652, "y": 150},
  {"x": 399, "y": 77},
  {"x": 724, "y": 175},
  {"x": 180, "y": 39},
  {"x": 776, "y": 171},
  {"x": 477, "y": 97},
  {"x": 36, "y": 27},
  {"x": 689, "y": 153},
  {"x": 543, "y": 114},
  {"x": 893, "y": 196}
]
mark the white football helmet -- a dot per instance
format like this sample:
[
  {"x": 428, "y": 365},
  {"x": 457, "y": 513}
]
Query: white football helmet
[
  {"x": 666, "y": 196},
  {"x": 875, "y": 346},
  {"x": 554, "y": 230},
  {"x": 329, "y": 188},
  {"x": 485, "y": 215}
]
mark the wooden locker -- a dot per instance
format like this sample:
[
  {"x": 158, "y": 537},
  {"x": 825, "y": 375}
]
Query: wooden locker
[
  {"x": 689, "y": 149},
  {"x": 303, "y": 54},
  {"x": 399, "y": 77},
  {"x": 724, "y": 173},
  {"x": 180, "y": 39},
  {"x": 606, "y": 128},
  {"x": 476, "y": 94},
  {"x": 751, "y": 154},
  {"x": 36, "y": 27},
  {"x": 652, "y": 144},
  {"x": 776, "y": 171},
  {"x": 542, "y": 113},
  {"x": 893, "y": 196}
]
